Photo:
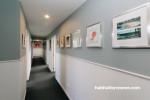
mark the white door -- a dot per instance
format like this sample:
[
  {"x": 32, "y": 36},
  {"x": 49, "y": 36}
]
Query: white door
[
  {"x": 53, "y": 40},
  {"x": 47, "y": 52}
]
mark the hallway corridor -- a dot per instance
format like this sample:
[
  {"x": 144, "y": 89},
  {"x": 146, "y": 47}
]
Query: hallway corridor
[{"x": 42, "y": 84}]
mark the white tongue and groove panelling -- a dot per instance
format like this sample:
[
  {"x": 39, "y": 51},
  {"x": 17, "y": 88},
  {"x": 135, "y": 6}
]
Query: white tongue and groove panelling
[
  {"x": 13, "y": 79},
  {"x": 79, "y": 77}
]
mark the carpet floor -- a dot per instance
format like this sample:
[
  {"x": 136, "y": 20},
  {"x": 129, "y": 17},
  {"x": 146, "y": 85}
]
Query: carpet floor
[{"x": 42, "y": 84}]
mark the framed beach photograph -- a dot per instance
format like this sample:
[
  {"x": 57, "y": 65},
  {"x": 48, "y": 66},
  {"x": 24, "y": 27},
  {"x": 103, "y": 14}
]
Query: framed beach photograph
[
  {"x": 94, "y": 35},
  {"x": 23, "y": 41},
  {"x": 76, "y": 39},
  {"x": 62, "y": 44},
  {"x": 131, "y": 29},
  {"x": 68, "y": 40},
  {"x": 58, "y": 42}
]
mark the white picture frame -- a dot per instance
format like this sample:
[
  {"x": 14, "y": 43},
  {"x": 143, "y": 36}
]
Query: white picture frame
[
  {"x": 23, "y": 41},
  {"x": 76, "y": 39},
  {"x": 68, "y": 40},
  {"x": 62, "y": 44},
  {"x": 94, "y": 35},
  {"x": 132, "y": 28},
  {"x": 50, "y": 44},
  {"x": 58, "y": 42}
]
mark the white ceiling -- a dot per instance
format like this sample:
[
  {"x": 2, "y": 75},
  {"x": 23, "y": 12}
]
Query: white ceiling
[{"x": 58, "y": 10}]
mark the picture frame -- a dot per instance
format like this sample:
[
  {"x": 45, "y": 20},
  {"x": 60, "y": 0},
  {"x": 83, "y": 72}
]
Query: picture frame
[
  {"x": 58, "y": 42},
  {"x": 62, "y": 44},
  {"x": 38, "y": 44},
  {"x": 68, "y": 40},
  {"x": 132, "y": 28},
  {"x": 23, "y": 41},
  {"x": 49, "y": 44},
  {"x": 76, "y": 39},
  {"x": 94, "y": 35},
  {"x": 44, "y": 44}
]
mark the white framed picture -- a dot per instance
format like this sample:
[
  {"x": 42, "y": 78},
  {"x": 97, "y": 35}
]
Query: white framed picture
[
  {"x": 132, "y": 28},
  {"x": 49, "y": 44},
  {"x": 23, "y": 41},
  {"x": 76, "y": 39},
  {"x": 58, "y": 42},
  {"x": 68, "y": 40},
  {"x": 62, "y": 42},
  {"x": 94, "y": 35}
]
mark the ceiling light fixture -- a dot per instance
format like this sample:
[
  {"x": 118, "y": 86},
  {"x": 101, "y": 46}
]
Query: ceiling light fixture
[{"x": 46, "y": 16}]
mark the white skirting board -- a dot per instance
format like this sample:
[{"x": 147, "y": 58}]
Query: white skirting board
[
  {"x": 79, "y": 77},
  {"x": 25, "y": 95},
  {"x": 64, "y": 90}
]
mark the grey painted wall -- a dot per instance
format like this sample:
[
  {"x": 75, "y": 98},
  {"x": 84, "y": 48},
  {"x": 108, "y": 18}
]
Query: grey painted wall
[
  {"x": 93, "y": 11},
  {"x": 9, "y": 30}
]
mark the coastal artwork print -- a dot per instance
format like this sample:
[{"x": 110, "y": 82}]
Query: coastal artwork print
[
  {"x": 129, "y": 29},
  {"x": 76, "y": 39},
  {"x": 93, "y": 38}
]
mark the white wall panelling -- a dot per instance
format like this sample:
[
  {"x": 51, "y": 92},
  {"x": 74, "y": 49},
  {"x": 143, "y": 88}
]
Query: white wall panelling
[
  {"x": 22, "y": 77},
  {"x": 9, "y": 84},
  {"x": 13, "y": 79},
  {"x": 79, "y": 77}
]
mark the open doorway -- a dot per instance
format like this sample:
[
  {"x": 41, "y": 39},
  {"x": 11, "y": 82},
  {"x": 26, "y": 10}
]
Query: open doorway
[{"x": 53, "y": 54}]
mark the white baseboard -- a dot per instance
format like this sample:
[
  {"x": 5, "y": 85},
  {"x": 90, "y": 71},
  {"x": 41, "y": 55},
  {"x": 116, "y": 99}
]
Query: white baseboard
[
  {"x": 64, "y": 90},
  {"x": 24, "y": 95}
]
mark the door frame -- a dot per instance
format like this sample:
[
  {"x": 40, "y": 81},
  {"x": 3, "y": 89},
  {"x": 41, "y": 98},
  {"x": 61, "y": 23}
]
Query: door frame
[
  {"x": 53, "y": 52},
  {"x": 28, "y": 55}
]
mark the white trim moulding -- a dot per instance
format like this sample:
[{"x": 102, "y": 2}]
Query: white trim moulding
[
  {"x": 113, "y": 68},
  {"x": 64, "y": 89}
]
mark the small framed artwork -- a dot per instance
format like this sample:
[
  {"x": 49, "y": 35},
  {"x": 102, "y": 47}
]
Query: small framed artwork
[
  {"x": 44, "y": 44},
  {"x": 132, "y": 28},
  {"x": 94, "y": 35},
  {"x": 58, "y": 42},
  {"x": 76, "y": 39},
  {"x": 68, "y": 40},
  {"x": 37, "y": 44},
  {"x": 49, "y": 44},
  {"x": 23, "y": 41},
  {"x": 62, "y": 42}
]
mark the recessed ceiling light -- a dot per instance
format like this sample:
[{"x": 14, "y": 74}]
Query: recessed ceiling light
[{"x": 46, "y": 16}]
